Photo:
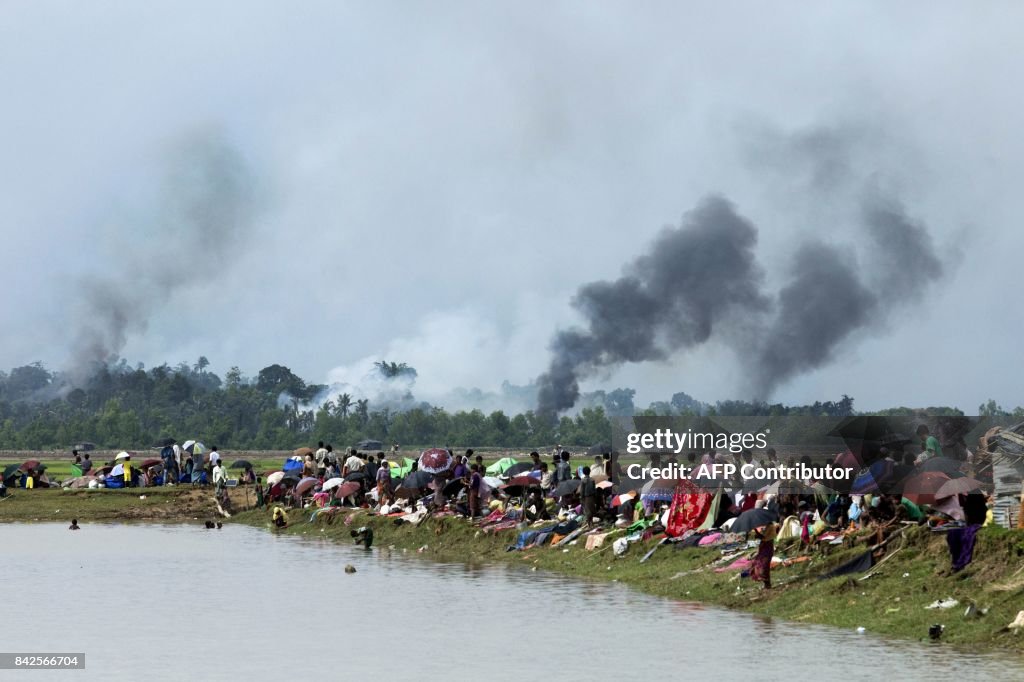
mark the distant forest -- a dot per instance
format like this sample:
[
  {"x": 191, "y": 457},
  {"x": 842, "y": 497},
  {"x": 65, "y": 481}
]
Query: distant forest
[{"x": 120, "y": 406}]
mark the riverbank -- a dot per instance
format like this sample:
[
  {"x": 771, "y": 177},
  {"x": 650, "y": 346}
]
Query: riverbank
[
  {"x": 891, "y": 602},
  {"x": 172, "y": 503}
]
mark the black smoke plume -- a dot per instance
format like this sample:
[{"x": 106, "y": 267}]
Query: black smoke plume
[
  {"x": 697, "y": 276},
  {"x": 200, "y": 217},
  {"x": 672, "y": 297}
]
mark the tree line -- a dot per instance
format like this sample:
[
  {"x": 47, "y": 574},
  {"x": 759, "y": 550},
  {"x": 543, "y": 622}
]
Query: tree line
[{"x": 132, "y": 407}]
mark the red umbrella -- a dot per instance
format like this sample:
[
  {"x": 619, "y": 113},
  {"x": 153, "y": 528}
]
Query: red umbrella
[
  {"x": 30, "y": 465},
  {"x": 346, "y": 489},
  {"x": 151, "y": 462},
  {"x": 522, "y": 480},
  {"x": 619, "y": 499},
  {"x": 922, "y": 488},
  {"x": 436, "y": 460}
]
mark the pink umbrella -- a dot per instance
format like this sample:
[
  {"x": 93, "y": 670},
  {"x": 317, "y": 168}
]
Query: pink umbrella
[
  {"x": 346, "y": 489},
  {"x": 305, "y": 484},
  {"x": 435, "y": 461}
]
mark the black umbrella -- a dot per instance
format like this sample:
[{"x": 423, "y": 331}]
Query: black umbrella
[
  {"x": 453, "y": 487},
  {"x": 10, "y": 470},
  {"x": 418, "y": 479},
  {"x": 520, "y": 468},
  {"x": 566, "y": 487},
  {"x": 751, "y": 519},
  {"x": 241, "y": 464},
  {"x": 168, "y": 442},
  {"x": 598, "y": 449},
  {"x": 946, "y": 465},
  {"x": 355, "y": 476},
  {"x": 293, "y": 477}
]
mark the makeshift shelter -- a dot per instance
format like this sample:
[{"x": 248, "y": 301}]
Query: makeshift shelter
[
  {"x": 693, "y": 508},
  {"x": 1006, "y": 448},
  {"x": 500, "y": 467}
]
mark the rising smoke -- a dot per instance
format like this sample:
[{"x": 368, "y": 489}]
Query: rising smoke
[
  {"x": 203, "y": 210},
  {"x": 671, "y": 298},
  {"x": 696, "y": 277}
]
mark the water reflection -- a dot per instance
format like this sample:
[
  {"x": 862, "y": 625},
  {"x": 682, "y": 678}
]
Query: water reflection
[{"x": 175, "y": 602}]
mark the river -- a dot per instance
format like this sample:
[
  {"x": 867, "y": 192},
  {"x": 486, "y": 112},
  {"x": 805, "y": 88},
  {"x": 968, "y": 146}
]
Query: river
[{"x": 176, "y": 602}]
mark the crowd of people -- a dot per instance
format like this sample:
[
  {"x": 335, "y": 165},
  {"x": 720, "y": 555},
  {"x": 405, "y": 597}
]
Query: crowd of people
[{"x": 552, "y": 498}]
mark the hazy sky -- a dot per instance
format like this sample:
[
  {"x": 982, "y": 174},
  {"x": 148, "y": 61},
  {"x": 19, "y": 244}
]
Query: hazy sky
[{"x": 435, "y": 180}]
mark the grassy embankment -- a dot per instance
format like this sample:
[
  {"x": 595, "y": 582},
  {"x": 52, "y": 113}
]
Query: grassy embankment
[{"x": 891, "y": 602}]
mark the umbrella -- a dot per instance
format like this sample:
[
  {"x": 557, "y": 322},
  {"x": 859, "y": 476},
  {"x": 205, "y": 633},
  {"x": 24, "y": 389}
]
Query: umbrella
[
  {"x": 193, "y": 447},
  {"x": 346, "y": 489},
  {"x": 302, "y": 452},
  {"x": 500, "y": 466},
  {"x": 518, "y": 485},
  {"x": 10, "y": 470},
  {"x": 659, "y": 490},
  {"x": 566, "y": 487},
  {"x": 751, "y": 519},
  {"x": 519, "y": 468},
  {"x": 122, "y": 455},
  {"x": 168, "y": 442},
  {"x": 31, "y": 464},
  {"x": 921, "y": 488},
  {"x": 290, "y": 476},
  {"x": 872, "y": 479},
  {"x": 151, "y": 462},
  {"x": 864, "y": 483},
  {"x": 493, "y": 481},
  {"x": 305, "y": 484},
  {"x": 406, "y": 493},
  {"x": 241, "y": 464},
  {"x": 619, "y": 499},
  {"x": 453, "y": 487},
  {"x": 275, "y": 478},
  {"x": 436, "y": 460},
  {"x": 102, "y": 471},
  {"x": 604, "y": 484},
  {"x": 599, "y": 478},
  {"x": 526, "y": 481},
  {"x": 356, "y": 476},
  {"x": 332, "y": 483},
  {"x": 417, "y": 479},
  {"x": 946, "y": 465},
  {"x": 958, "y": 486}
]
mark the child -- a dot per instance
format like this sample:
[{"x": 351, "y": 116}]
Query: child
[{"x": 74, "y": 525}]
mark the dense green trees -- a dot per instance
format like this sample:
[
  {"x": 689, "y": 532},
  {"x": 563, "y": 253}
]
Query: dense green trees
[{"x": 130, "y": 407}]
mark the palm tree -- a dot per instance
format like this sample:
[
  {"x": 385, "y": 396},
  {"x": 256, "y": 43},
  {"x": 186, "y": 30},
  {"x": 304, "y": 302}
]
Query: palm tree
[{"x": 344, "y": 404}]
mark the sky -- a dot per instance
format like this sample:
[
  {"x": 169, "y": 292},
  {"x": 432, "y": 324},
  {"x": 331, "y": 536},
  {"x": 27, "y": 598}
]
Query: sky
[{"x": 431, "y": 183}]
